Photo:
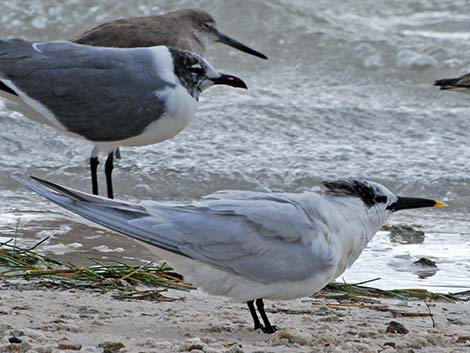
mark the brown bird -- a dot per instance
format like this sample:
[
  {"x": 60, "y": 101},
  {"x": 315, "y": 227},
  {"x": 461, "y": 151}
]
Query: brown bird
[{"x": 187, "y": 29}]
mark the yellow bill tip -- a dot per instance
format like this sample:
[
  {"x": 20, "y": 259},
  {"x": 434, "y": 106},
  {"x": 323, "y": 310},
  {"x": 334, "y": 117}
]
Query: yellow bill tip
[{"x": 440, "y": 204}]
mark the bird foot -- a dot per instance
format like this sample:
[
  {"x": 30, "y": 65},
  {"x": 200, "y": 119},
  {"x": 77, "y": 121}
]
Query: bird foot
[
  {"x": 269, "y": 330},
  {"x": 259, "y": 327}
]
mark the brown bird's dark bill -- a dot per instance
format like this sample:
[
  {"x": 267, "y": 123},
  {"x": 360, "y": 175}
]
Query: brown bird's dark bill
[{"x": 237, "y": 45}]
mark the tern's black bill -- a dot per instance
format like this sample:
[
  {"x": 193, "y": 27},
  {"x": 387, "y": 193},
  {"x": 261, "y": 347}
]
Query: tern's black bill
[
  {"x": 404, "y": 203},
  {"x": 237, "y": 45},
  {"x": 229, "y": 80}
]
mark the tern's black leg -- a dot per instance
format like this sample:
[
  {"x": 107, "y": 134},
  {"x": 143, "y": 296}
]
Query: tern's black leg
[
  {"x": 108, "y": 170},
  {"x": 251, "y": 306},
  {"x": 94, "y": 176},
  {"x": 268, "y": 328}
]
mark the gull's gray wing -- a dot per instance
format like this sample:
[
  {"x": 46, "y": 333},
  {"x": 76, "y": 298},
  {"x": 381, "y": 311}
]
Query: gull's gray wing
[
  {"x": 263, "y": 237},
  {"x": 103, "y": 94}
]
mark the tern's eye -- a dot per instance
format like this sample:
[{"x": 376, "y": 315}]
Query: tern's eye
[
  {"x": 206, "y": 25},
  {"x": 381, "y": 199}
]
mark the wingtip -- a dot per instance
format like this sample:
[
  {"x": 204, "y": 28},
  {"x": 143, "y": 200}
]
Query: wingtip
[
  {"x": 20, "y": 180},
  {"x": 16, "y": 178},
  {"x": 39, "y": 180},
  {"x": 32, "y": 183},
  {"x": 35, "y": 183},
  {"x": 44, "y": 182}
]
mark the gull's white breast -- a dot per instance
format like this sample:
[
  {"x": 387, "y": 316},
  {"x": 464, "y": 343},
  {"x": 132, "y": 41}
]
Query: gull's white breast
[{"x": 180, "y": 108}]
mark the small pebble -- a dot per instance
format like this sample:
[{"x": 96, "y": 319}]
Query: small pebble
[
  {"x": 34, "y": 335},
  {"x": 363, "y": 347},
  {"x": 155, "y": 344},
  {"x": 425, "y": 262},
  {"x": 292, "y": 336},
  {"x": 16, "y": 333},
  {"x": 68, "y": 327},
  {"x": 111, "y": 347},
  {"x": 44, "y": 349},
  {"x": 327, "y": 340},
  {"x": 208, "y": 349},
  {"x": 191, "y": 344},
  {"x": 235, "y": 348},
  {"x": 14, "y": 339},
  {"x": 15, "y": 347},
  {"x": 69, "y": 346},
  {"x": 207, "y": 340},
  {"x": 4, "y": 328},
  {"x": 396, "y": 327},
  {"x": 455, "y": 321}
]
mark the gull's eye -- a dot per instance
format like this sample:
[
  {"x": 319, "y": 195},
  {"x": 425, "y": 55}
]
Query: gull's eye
[
  {"x": 381, "y": 199},
  {"x": 197, "y": 69}
]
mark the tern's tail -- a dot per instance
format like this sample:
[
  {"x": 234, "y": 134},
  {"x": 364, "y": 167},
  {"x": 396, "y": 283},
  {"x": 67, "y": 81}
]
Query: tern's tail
[
  {"x": 123, "y": 217},
  {"x": 108, "y": 213}
]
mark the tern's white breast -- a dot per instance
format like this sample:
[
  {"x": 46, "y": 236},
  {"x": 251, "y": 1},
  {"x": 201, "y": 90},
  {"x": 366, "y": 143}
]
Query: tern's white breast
[{"x": 218, "y": 282}]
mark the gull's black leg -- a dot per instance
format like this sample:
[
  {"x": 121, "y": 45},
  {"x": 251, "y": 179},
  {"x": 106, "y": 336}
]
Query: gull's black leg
[
  {"x": 108, "y": 170},
  {"x": 251, "y": 306},
  {"x": 117, "y": 153},
  {"x": 94, "y": 176},
  {"x": 268, "y": 328}
]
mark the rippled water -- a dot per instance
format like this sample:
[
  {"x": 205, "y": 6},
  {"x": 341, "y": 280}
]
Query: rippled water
[{"x": 347, "y": 92}]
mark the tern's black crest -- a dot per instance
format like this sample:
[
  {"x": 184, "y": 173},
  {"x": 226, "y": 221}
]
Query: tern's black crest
[
  {"x": 368, "y": 193},
  {"x": 191, "y": 69}
]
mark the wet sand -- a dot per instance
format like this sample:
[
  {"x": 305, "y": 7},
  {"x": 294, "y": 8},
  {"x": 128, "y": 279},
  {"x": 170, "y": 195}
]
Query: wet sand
[{"x": 82, "y": 321}]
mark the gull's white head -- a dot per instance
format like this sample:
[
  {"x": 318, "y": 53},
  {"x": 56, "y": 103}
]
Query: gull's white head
[{"x": 196, "y": 74}]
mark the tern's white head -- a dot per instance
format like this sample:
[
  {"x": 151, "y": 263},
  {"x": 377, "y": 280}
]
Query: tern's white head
[{"x": 378, "y": 201}]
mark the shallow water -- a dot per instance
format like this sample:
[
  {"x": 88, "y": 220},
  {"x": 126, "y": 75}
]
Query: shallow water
[{"x": 347, "y": 92}]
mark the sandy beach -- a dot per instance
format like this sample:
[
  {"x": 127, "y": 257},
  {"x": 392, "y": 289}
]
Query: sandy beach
[
  {"x": 47, "y": 320},
  {"x": 347, "y": 93}
]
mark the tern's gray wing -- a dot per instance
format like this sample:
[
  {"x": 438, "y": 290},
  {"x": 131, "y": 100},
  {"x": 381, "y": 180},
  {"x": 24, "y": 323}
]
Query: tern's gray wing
[
  {"x": 102, "y": 94},
  {"x": 249, "y": 237}
]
